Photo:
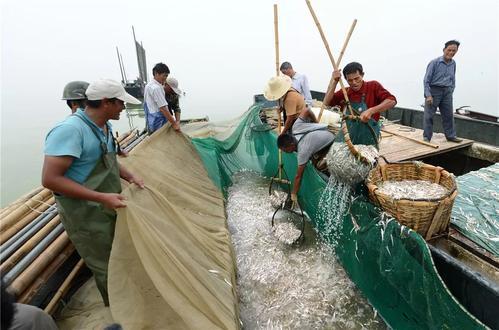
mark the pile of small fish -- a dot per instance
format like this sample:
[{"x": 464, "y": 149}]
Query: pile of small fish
[
  {"x": 287, "y": 286},
  {"x": 286, "y": 232},
  {"x": 277, "y": 198},
  {"x": 412, "y": 189},
  {"x": 345, "y": 167}
]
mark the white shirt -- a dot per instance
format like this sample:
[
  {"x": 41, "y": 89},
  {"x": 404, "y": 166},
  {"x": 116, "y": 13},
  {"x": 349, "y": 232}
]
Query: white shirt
[
  {"x": 154, "y": 96},
  {"x": 300, "y": 83}
]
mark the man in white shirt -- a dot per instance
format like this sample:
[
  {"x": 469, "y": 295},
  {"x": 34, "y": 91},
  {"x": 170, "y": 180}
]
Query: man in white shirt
[
  {"x": 155, "y": 105},
  {"x": 299, "y": 82}
]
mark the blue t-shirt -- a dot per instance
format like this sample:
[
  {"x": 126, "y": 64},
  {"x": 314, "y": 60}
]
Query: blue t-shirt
[{"x": 73, "y": 137}]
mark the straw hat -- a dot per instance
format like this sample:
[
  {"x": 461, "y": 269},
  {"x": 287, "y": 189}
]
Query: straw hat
[
  {"x": 173, "y": 83},
  {"x": 277, "y": 87}
]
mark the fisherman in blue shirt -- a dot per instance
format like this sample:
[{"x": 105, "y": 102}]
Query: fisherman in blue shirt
[
  {"x": 439, "y": 84},
  {"x": 81, "y": 168}
]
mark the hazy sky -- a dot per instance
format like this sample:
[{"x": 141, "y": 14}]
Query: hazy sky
[{"x": 222, "y": 52}]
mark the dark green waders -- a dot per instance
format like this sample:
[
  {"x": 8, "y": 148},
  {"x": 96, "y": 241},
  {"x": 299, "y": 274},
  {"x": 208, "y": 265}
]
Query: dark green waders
[{"x": 90, "y": 225}]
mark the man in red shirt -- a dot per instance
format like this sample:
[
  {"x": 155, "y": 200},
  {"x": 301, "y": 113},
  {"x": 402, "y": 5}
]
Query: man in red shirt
[{"x": 368, "y": 98}]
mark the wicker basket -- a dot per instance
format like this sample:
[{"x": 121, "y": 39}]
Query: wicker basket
[{"x": 428, "y": 217}]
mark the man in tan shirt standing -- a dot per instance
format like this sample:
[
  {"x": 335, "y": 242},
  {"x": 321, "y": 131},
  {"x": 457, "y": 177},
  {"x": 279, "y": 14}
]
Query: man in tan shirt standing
[{"x": 289, "y": 99}]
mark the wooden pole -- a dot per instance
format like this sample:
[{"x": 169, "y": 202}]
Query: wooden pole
[
  {"x": 279, "y": 123},
  {"x": 412, "y": 139},
  {"x": 29, "y": 245},
  {"x": 24, "y": 209},
  {"x": 25, "y": 220},
  {"x": 276, "y": 39},
  {"x": 328, "y": 90},
  {"x": 326, "y": 44},
  {"x": 64, "y": 287},
  {"x": 34, "y": 287},
  {"x": 15, "y": 204},
  {"x": 349, "y": 143},
  {"x": 37, "y": 266}
]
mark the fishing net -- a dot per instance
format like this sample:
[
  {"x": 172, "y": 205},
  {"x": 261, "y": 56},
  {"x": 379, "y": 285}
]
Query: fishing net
[
  {"x": 348, "y": 168},
  {"x": 476, "y": 208},
  {"x": 390, "y": 263}
]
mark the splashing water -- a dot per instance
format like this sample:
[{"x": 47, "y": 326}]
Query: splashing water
[
  {"x": 333, "y": 204},
  {"x": 285, "y": 287}
]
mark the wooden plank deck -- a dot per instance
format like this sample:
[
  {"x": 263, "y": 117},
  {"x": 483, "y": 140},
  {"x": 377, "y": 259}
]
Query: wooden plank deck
[{"x": 396, "y": 148}]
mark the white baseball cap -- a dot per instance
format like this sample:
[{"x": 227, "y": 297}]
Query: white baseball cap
[
  {"x": 109, "y": 88},
  {"x": 173, "y": 83}
]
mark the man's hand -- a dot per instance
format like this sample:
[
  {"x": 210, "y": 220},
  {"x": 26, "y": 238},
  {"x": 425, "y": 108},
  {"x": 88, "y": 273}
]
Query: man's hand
[
  {"x": 176, "y": 126},
  {"x": 429, "y": 100},
  {"x": 112, "y": 201},
  {"x": 336, "y": 75},
  {"x": 138, "y": 181},
  {"x": 366, "y": 115}
]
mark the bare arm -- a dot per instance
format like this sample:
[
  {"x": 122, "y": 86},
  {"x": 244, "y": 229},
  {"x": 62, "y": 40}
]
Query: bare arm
[
  {"x": 53, "y": 178},
  {"x": 383, "y": 106},
  {"x": 328, "y": 99},
  {"x": 297, "y": 183},
  {"x": 170, "y": 118},
  {"x": 289, "y": 122}
]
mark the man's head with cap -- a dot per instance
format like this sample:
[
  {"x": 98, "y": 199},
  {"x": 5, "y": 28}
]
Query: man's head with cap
[
  {"x": 108, "y": 95},
  {"x": 171, "y": 86},
  {"x": 74, "y": 94}
]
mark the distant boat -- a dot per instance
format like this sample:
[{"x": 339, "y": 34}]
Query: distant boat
[{"x": 135, "y": 87}]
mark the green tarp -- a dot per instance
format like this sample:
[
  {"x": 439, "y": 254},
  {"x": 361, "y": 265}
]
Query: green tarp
[
  {"x": 476, "y": 209},
  {"x": 390, "y": 263}
]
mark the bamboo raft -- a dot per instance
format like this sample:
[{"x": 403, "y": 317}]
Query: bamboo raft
[{"x": 38, "y": 262}]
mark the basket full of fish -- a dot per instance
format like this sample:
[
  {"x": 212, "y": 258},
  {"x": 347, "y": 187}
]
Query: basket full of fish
[{"x": 418, "y": 195}]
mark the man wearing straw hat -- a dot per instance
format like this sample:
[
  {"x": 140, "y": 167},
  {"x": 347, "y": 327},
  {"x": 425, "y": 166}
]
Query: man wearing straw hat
[
  {"x": 172, "y": 95},
  {"x": 289, "y": 99},
  {"x": 298, "y": 81},
  {"x": 80, "y": 167}
]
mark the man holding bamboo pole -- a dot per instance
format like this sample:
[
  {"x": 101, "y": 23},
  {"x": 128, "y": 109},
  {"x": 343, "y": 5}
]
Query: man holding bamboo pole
[
  {"x": 367, "y": 100},
  {"x": 80, "y": 167}
]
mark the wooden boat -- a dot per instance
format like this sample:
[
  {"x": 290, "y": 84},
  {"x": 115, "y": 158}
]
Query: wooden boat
[{"x": 470, "y": 272}]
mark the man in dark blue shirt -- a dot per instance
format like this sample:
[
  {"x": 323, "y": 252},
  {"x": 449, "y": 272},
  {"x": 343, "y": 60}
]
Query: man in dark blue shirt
[{"x": 439, "y": 84}]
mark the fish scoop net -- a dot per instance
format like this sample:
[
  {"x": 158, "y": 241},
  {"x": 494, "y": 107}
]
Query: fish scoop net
[{"x": 288, "y": 225}]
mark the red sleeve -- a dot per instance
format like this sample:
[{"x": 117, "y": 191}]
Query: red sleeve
[
  {"x": 381, "y": 93},
  {"x": 337, "y": 98}
]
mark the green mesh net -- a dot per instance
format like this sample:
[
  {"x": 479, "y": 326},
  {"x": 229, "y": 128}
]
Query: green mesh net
[{"x": 390, "y": 263}]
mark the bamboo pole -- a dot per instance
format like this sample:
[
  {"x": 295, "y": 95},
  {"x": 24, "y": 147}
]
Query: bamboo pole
[
  {"x": 433, "y": 145},
  {"x": 25, "y": 220},
  {"x": 36, "y": 267},
  {"x": 279, "y": 121},
  {"x": 29, "y": 245},
  {"x": 31, "y": 291},
  {"x": 329, "y": 87},
  {"x": 121, "y": 137},
  {"x": 32, "y": 255},
  {"x": 23, "y": 209},
  {"x": 348, "y": 142},
  {"x": 276, "y": 39},
  {"x": 326, "y": 44},
  {"x": 12, "y": 206},
  {"x": 64, "y": 287}
]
